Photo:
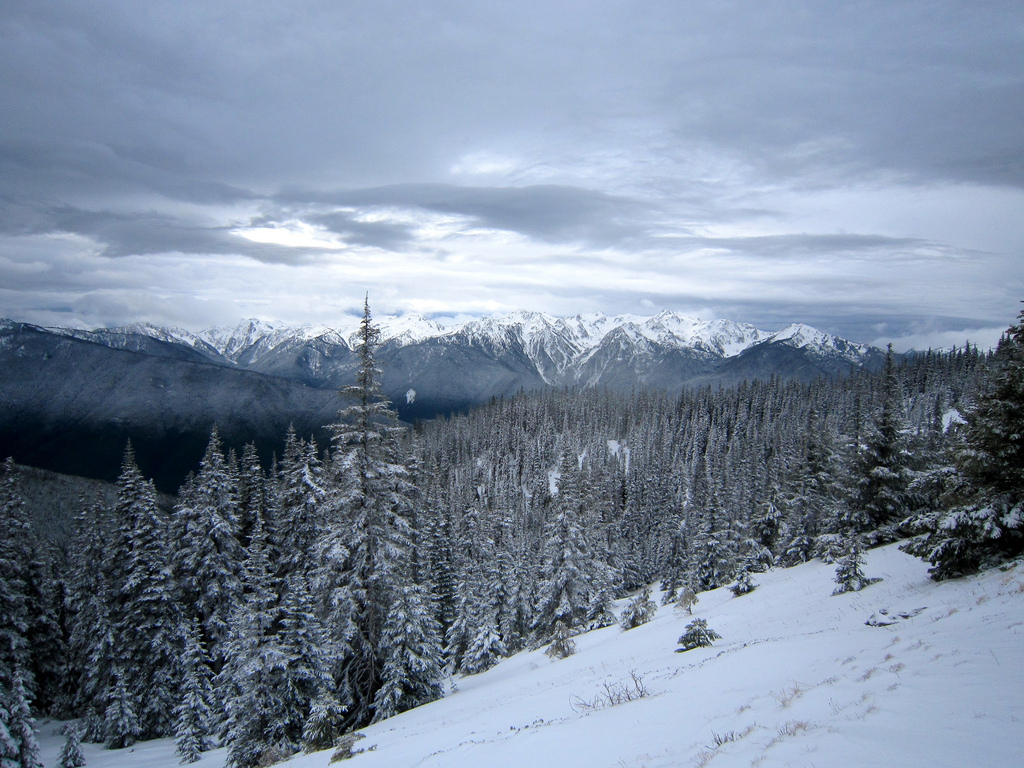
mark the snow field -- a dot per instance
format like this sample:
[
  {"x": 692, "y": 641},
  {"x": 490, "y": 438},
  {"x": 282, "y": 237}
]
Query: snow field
[{"x": 798, "y": 679}]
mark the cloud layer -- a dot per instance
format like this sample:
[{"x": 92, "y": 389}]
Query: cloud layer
[{"x": 859, "y": 167}]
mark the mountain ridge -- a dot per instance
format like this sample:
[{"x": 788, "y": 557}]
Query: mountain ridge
[
  {"x": 69, "y": 398},
  {"x": 559, "y": 349}
]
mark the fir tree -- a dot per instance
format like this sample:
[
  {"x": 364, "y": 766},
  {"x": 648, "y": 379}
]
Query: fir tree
[
  {"x": 150, "y": 622},
  {"x": 984, "y": 522},
  {"x": 744, "y": 584},
  {"x": 193, "y": 716},
  {"x": 412, "y": 671},
  {"x": 697, "y": 635},
  {"x": 18, "y": 745},
  {"x": 562, "y": 645},
  {"x": 850, "y": 573},
  {"x": 209, "y": 555},
  {"x": 71, "y": 752},
  {"x": 882, "y": 473},
  {"x": 640, "y": 610},
  {"x": 120, "y": 722},
  {"x": 365, "y": 548},
  {"x": 251, "y": 679},
  {"x": 323, "y": 727},
  {"x": 568, "y": 572},
  {"x": 91, "y": 647}
]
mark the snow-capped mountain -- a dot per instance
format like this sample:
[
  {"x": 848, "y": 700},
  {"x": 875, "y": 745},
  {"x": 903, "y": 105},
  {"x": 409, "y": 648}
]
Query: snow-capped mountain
[
  {"x": 555, "y": 344},
  {"x": 167, "y": 386},
  {"x": 459, "y": 365}
]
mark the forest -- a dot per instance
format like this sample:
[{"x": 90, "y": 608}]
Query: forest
[{"x": 275, "y": 609}]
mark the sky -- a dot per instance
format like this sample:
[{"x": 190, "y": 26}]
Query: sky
[{"x": 856, "y": 166}]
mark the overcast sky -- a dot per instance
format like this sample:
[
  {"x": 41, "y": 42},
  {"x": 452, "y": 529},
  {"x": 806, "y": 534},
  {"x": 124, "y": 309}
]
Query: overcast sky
[{"x": 858, "y": 166}]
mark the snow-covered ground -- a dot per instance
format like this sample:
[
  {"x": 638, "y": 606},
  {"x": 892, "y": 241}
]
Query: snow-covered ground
[{"x": 798, "y": 679}]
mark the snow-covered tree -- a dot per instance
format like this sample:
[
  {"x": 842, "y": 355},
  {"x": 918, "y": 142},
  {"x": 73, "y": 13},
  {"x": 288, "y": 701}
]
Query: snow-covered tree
[
  {"x": 984, "y": 522},
  {"x": 697, "y": 635},
  {"x": 412, "y": 672},
  {"x": 256, "y": 723},
  {"x": 562, "y": 645},
  {"x": 18, "y": 745},
  {"x": 120, "y": 722},
  {"x": 208, "y": 555},
  {"x": 640, "y": 610},
  {"x": 323, "y": 726},
  {"x": 569, "y": 572},
  {"x": 743, "y": 585},
  {"x": 882, "y": 473},
  {"x": 850, "y": 573},
  {"x": 365, "y": 546},
  {"x": 149, "y": 627},
  {"x": 193, "y": 716},
  {"x": 71, "y": 755}
]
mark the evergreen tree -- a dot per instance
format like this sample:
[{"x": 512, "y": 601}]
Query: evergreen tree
[
  {"x": 300, "y": 498},
  {"x": 568, "y": 571},
  {"x": 193, "y": 716},
  {"x": 18, "y": 745},
  {"x": 744, "y": 584},
  {"x": 984, "y": 523},
  {"x": 15, "y": 556},
  {"x": 640, "y": 610},
  {"x": 150, "y": 623},
  {"x": 323, "y": 727},
  {"x": 251, "y": 679},
  {"x": 412, "y": 671},
  {"x": 562, "y": 645},
  {"x": 120, "y": 722},
  {"x": 366, "y": 557},
  {"x": 209, "y": 556},
  {"x": 850, "y": 573},
  {"x": 882, "y": 474},
  {"x": 90, "y": 645},
  {"x": 697, "y": 635},
  {"x": 71, "y": 752}
]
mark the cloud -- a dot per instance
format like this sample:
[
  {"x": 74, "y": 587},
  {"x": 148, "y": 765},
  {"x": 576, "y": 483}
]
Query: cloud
[
  {"x": 838, "y": 165},
  {"x": 550, "y": 213}
]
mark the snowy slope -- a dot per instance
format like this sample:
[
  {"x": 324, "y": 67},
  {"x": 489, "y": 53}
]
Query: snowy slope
[{"x": 798, "y": 679}]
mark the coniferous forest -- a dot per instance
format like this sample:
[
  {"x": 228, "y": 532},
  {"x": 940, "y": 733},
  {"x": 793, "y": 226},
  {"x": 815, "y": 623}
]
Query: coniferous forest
[{"x": 275, "y": 608}]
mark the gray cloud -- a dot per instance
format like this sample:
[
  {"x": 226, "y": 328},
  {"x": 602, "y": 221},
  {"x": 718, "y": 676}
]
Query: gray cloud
[
  {"x": 621, "y": 136},
  {"x": 551, "y": 213}
]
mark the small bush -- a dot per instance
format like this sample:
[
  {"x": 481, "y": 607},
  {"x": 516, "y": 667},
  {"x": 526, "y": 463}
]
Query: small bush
[
  {"x": 614, "y": 694},
  {"x": 345, "y": 747}
]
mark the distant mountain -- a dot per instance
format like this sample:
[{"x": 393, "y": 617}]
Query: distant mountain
[
  {"x": 70, "y": 404},
  {"x": 70, "y": 398},
  {"x": 430, "y": 368}
]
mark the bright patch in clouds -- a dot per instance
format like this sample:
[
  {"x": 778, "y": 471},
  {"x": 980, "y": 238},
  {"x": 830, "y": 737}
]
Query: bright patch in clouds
[
  {"x": 292, "y": 234},
  {"x": 483, "y": 163}
]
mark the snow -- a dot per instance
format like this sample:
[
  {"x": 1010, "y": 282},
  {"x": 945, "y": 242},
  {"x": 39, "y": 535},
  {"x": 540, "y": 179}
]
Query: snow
[
  {"x": 555, "y": 345},
  {"x": 951, "y": 417},
  {"x": 804, "y": 336},
  {"x": 798, "y": 679}
]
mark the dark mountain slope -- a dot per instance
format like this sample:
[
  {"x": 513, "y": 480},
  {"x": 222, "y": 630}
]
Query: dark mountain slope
[{"x": 70, "y": 405}]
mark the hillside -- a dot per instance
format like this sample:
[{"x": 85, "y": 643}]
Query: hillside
[{"x": 798, "y": 679}]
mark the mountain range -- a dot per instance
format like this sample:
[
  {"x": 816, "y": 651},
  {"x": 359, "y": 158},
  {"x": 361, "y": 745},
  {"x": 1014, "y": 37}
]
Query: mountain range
[{"x": 72, "y": 397}]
